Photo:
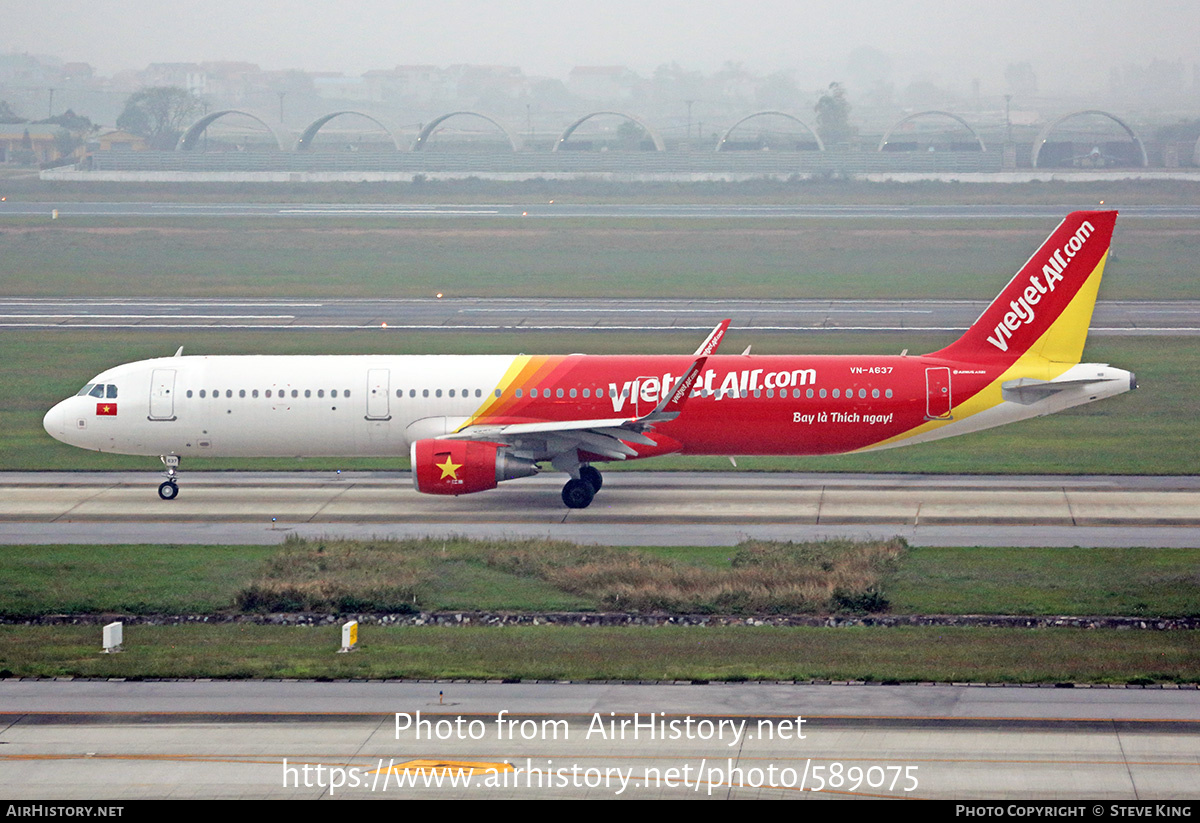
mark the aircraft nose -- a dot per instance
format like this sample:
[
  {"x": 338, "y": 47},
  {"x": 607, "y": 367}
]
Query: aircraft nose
[{"x": 55, "y": 421}]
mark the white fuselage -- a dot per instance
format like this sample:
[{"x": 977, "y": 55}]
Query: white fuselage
[{"x": 264, "y": 406}]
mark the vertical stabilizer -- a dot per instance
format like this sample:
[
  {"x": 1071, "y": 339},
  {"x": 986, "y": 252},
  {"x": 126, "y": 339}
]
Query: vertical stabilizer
[{"x": 1046, "y": 309}]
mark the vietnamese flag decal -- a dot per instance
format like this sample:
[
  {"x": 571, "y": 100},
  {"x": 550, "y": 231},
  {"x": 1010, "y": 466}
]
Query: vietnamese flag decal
[{"x": 106, "y": 409}]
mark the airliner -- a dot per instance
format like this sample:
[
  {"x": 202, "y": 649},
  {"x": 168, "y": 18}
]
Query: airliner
[{"x": 468, "y": 423}]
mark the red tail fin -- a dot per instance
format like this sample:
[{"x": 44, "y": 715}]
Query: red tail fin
[{"x": 1047, "y": 307}]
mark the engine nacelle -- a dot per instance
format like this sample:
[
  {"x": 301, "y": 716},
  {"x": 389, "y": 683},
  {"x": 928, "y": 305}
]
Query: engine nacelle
[{"x": 464, "y": 466}]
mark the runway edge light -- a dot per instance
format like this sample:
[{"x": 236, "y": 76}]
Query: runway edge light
[{"x": 113, "y": 637}]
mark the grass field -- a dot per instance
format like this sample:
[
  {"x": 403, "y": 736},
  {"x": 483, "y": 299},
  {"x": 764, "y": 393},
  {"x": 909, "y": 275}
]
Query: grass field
[
  {"x": 25, "y": 185},
  {"x": 593, "y": 653},
  {"x": 332, "y": 575},
  {"x": 743, "y": 258},
  {"x": 545, "y": 576},
  {"x": 1150, "y": 431}
]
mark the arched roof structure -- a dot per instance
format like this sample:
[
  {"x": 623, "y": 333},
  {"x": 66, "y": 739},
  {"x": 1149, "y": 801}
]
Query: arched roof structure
[
  {"x": 931, "y": 113},
  {"x": 188, "y": 141},
  {"x": 569, "y": 130},
  {"x": 304, "y": 143},
  {"x": 1045, "y": 135},
  {"x": 423, "y": 137},
  {"x": 729, "y": 131}
]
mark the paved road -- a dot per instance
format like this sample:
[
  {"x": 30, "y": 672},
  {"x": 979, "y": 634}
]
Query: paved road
[
  {"x": 635, "y": 508},
  {"x": 1181, "y": 317},
  {"x": 203, "y": 739},
  {"x": 400, "y": 211}
]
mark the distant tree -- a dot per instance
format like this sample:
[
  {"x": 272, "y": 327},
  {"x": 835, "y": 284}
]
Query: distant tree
[
  {"x": 159, "y": 114},
  {"x": 70, "y": 121},
  {"x": 833, "y": 116},
  {"x": 7, "y": 115},
  {"x": 631, "y": 135}
]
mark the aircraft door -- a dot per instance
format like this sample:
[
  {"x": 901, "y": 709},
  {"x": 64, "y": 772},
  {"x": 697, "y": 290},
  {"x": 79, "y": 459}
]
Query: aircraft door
[
  {"x": 377, "y": 394},
  {"x": 937, "y": 394},
  {"x": 162, "y": 394}
]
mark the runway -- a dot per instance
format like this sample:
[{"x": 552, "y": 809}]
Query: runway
[
  {"x": 634, "y": 508},
  {"x": 696, "y": 317},
  {"x": 69, "y": 740},
  {"x": 560, "y": 210}
]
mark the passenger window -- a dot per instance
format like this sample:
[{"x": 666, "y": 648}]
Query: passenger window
[
  {"x": 875, "y": 393},
  {"x": 412, "y": 392},
  {"x": 438, "y": 393},
  {"x": 308, "y": 392},
  {"x": 229, "y": 392},
  {"x": 518, "y": 393},
  {"x": 345, "y": 393},
  {"x": 479, "y": 393},
  {"x": 572, "y": 393},
  {"x": 558, "y": 393},
  {"x": 823, "y": 394},
  {"x": 452, "y": 392},
  {"x": 268, "y": 393},
  {"x": 888, "y": 393},
  {"x": 862, "y": 393},
  {"x": 587, "y": 393},
  {"x": 254, "y": 393},
  {"x": 837, "y": 393},
  {"x": 808, "y": 393},
  {"x": 320, "y": 392},
  {"x": 189, "y": 392},
  {"x": 533, "y": 392},
  {"x": 331, "y": 394}
]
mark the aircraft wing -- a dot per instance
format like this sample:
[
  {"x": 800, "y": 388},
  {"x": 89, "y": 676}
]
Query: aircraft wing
[
  {"x": 713, "y": 341},
  {"x": 608, "y": 437}
]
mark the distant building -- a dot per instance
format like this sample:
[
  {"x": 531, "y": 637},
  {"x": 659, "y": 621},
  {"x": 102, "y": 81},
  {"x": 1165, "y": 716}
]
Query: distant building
[
  {"x": 116, "y": 140},
  {"x": 27, "y": 144},
  {"x": 602, "y": 82}
]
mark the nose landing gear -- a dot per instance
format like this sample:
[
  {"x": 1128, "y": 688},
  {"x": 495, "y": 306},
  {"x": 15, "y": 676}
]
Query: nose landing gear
[{"x": 169, "y": 489}]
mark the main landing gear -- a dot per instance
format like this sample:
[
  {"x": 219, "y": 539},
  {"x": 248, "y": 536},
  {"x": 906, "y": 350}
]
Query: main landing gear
[
  {"x": 169, "y": 489},
  {"x": 578, "y": 492}
]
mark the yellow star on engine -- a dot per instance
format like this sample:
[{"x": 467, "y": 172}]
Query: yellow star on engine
[{"x": 449, "y": 468}]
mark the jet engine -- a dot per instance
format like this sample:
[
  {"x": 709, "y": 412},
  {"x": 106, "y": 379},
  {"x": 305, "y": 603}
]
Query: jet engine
[{"x": 464, "y": 466}]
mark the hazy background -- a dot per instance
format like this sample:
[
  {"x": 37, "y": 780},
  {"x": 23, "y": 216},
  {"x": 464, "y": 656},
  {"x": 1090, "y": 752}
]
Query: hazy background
[{"x": 1072, "y": 45}]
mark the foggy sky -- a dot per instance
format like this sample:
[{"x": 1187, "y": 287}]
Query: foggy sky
[{"x": 1072, "y": 44}]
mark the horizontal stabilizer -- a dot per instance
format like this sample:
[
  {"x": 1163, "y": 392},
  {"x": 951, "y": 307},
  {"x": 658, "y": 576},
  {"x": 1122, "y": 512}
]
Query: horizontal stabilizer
[{"x": 1027, "y": 390}]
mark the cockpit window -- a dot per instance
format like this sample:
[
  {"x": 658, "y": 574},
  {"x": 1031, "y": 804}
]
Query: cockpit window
[
  {"x": 110, "y": 391},
  {"x": 97, "y": 390},
  {"x": 85, "y": 390}
]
